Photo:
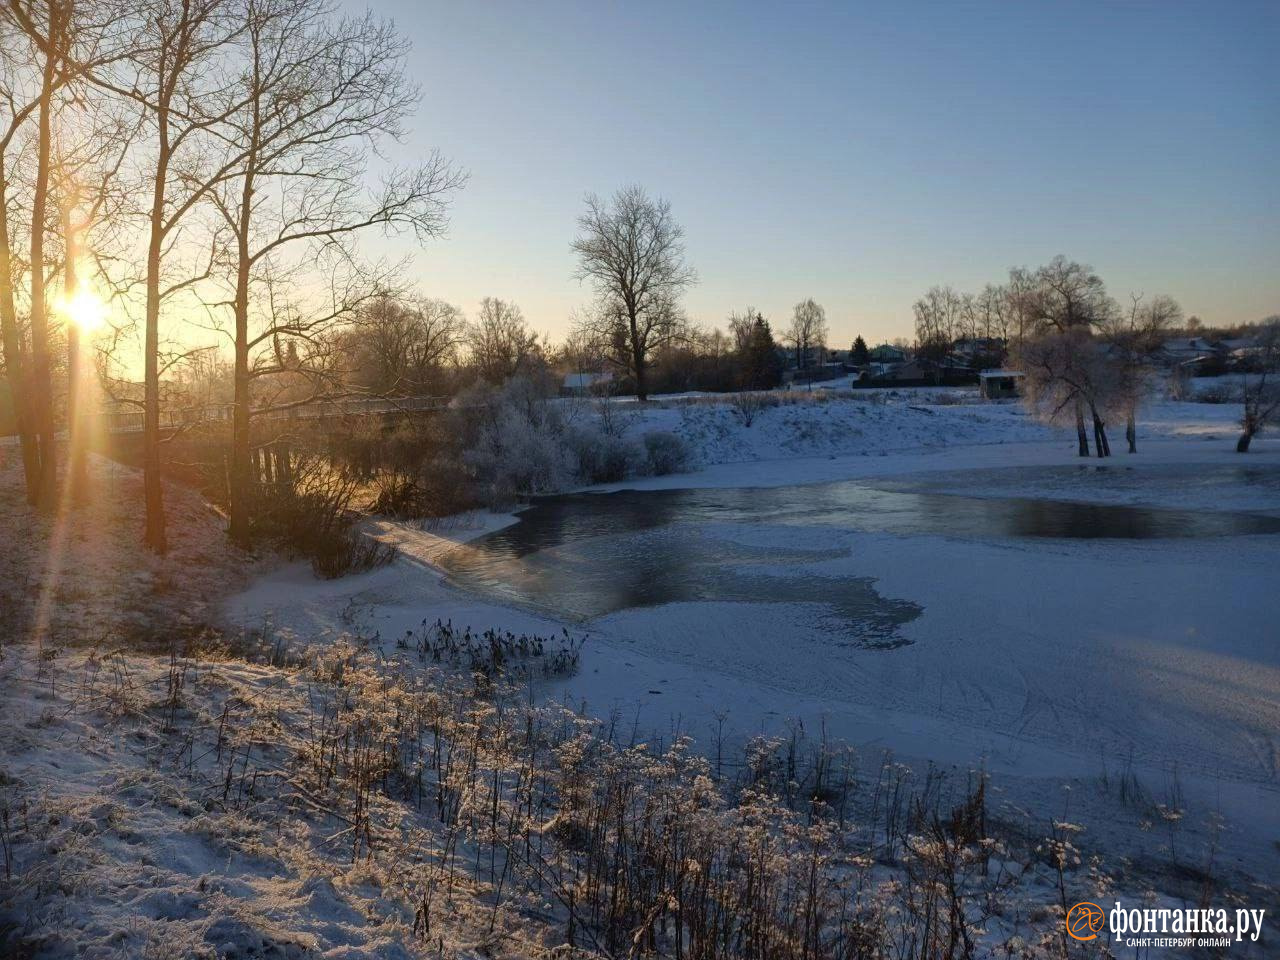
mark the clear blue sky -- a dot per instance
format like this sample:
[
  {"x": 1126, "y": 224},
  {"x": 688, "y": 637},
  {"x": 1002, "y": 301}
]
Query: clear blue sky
[{"x": 859, "y": 153}]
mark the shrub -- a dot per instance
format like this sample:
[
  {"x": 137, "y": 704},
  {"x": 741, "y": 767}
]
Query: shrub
[
  {"x": 345, "y": 549},
  {"x": 603, "y": 457},
  {"x": 433, "y": 487},
  {"x": 514, "y": 442},
  {"x": 748, "y": 406},
  {"x": 667, "y": 452},
  {"x": 313, "y": 517}
]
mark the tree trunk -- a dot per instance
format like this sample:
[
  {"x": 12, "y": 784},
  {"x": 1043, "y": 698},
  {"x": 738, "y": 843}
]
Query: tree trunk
[
  {"x": 1082, "y": 438},
  {"x": 1101, "y": 445},
  {"x": 642, "y": 370},
  {"x": 1242, "y": 445},
  {"x": 77, "y": 438},
  {"x": 42, "y": 380},
  {"x": 14, "y": 361},
  {"x": 154, "y": 535},
  {"x": 241, "y": 476},
  {"x": 1131, "y": 432}
]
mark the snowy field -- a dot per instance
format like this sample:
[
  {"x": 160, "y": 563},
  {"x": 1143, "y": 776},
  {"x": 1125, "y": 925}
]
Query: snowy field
[{"x": 1127, "y": 688}]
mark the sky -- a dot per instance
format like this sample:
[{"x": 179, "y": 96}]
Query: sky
[{"x": 857, "y": 153}]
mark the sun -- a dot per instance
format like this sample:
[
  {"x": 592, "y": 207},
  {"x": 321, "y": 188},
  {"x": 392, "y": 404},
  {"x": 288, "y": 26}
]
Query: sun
[{"x": 85, "y": 309}]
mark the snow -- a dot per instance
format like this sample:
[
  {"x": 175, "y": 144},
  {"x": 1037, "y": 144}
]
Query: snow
[
  {"x": 81, "y": 569},
  {"x": 1059, "y": 667},
  {"x": 1045, "y": 662}
]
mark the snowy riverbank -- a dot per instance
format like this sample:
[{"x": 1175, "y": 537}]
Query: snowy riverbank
[
  {"x": 1122, "y": 693},
  {"x": 1050, "y": 663}
]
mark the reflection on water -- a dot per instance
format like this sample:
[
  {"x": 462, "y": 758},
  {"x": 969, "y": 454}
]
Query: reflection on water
[
  {"x": 594, "y": 571},
  {"x": 583, "y": 556}
]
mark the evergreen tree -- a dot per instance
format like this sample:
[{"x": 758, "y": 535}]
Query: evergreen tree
[
  {"x": 860, "y": 355},
  {"x": 761, "y": 364}
]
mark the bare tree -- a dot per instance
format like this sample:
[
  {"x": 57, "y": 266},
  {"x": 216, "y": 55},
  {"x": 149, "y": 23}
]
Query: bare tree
[
  {"x": 65, "y": 42},
  {"x": 1133, "y": 338},
  {"x": 991, "y": 306},
  {"x": 1020, "y": 299},
  {"x": 632, "y": 250},
  {"x": 316, "y": 96},
  {"x": 808, "y": 330},
  {"x": 1261, "y": 393},
  {"x": 49, "y": 26},
  {"x": 741, "y": 326},
  {"x": 500, "y": 343},
  {"x": 20, "y": 100},
  {"x": 939, "y": 321},
  {"x": 400, "y": 347},
  {"x": 1068, "y": 296},
  {"x": 185, "y": 93}
]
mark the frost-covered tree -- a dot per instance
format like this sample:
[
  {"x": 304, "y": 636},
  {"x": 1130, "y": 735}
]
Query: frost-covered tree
[
  {"x": 1068, "y": 373},
  {"x": 1132, "y": 338},
  {"x": 1066, "y": 304},
  {"x": 1261, "y": 391}
]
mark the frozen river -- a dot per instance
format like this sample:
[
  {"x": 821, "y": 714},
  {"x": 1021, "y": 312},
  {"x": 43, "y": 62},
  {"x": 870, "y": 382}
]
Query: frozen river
[
  {"x": 585, "y": 556},
  {"x": 1045, "y": 619}
]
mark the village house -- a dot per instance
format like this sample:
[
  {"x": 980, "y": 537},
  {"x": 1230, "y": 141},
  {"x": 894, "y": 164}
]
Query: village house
[
  {"x": 585, "y": 384},
  {"x": 999, "y": 384}
]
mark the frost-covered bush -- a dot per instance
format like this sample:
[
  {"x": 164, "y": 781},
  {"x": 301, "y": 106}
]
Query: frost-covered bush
[
  {"x": 667, "y": 452},
  {"x": 604, "y": 458},
  {"x": 514, "y": 441}
]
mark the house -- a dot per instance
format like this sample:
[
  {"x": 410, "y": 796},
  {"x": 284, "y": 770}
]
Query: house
[
  {"x": 886, "y": 354},
  {"x": 1186, "y": 351},
  {"x": 585, "y": 384},
  {"x": 999, "y": 384},
  {"x": 971, "y": 347}
]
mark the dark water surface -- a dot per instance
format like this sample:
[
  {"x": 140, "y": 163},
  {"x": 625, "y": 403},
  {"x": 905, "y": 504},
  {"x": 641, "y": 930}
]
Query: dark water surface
[{"x": 583, "y": 556}]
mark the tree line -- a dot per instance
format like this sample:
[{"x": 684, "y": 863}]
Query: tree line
[
  {"x": 199, "y": 163},
  {"x": 210, "y": 168},
  {"x": 1087, "y": 358}
]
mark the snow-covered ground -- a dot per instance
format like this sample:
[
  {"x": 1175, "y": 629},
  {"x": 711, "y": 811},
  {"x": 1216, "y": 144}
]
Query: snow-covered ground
[
  {"x": 1131, "y": 687},
  {"x": 1046, "y": 661}
]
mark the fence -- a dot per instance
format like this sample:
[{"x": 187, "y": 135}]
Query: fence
[{"x": 131, "y": 421}]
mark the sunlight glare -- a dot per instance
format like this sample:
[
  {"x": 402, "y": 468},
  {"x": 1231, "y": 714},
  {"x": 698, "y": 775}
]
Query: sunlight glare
[{"x": 85, "y": 309}]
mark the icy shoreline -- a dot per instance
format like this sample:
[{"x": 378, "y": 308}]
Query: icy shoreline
[{"x": 684, "y": 668}]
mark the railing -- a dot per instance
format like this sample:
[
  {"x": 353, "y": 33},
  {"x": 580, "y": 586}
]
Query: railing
[{"x": 131, "y": 421}]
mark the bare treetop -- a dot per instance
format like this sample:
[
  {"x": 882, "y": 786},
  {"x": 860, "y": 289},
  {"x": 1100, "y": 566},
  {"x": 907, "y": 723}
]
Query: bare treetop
[
  {"x": 632, "y": 250},
  {"x": 1070, "y": 294}
]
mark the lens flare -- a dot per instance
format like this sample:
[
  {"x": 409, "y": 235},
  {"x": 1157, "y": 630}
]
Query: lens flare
[{"x": 85, "y": 309}]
